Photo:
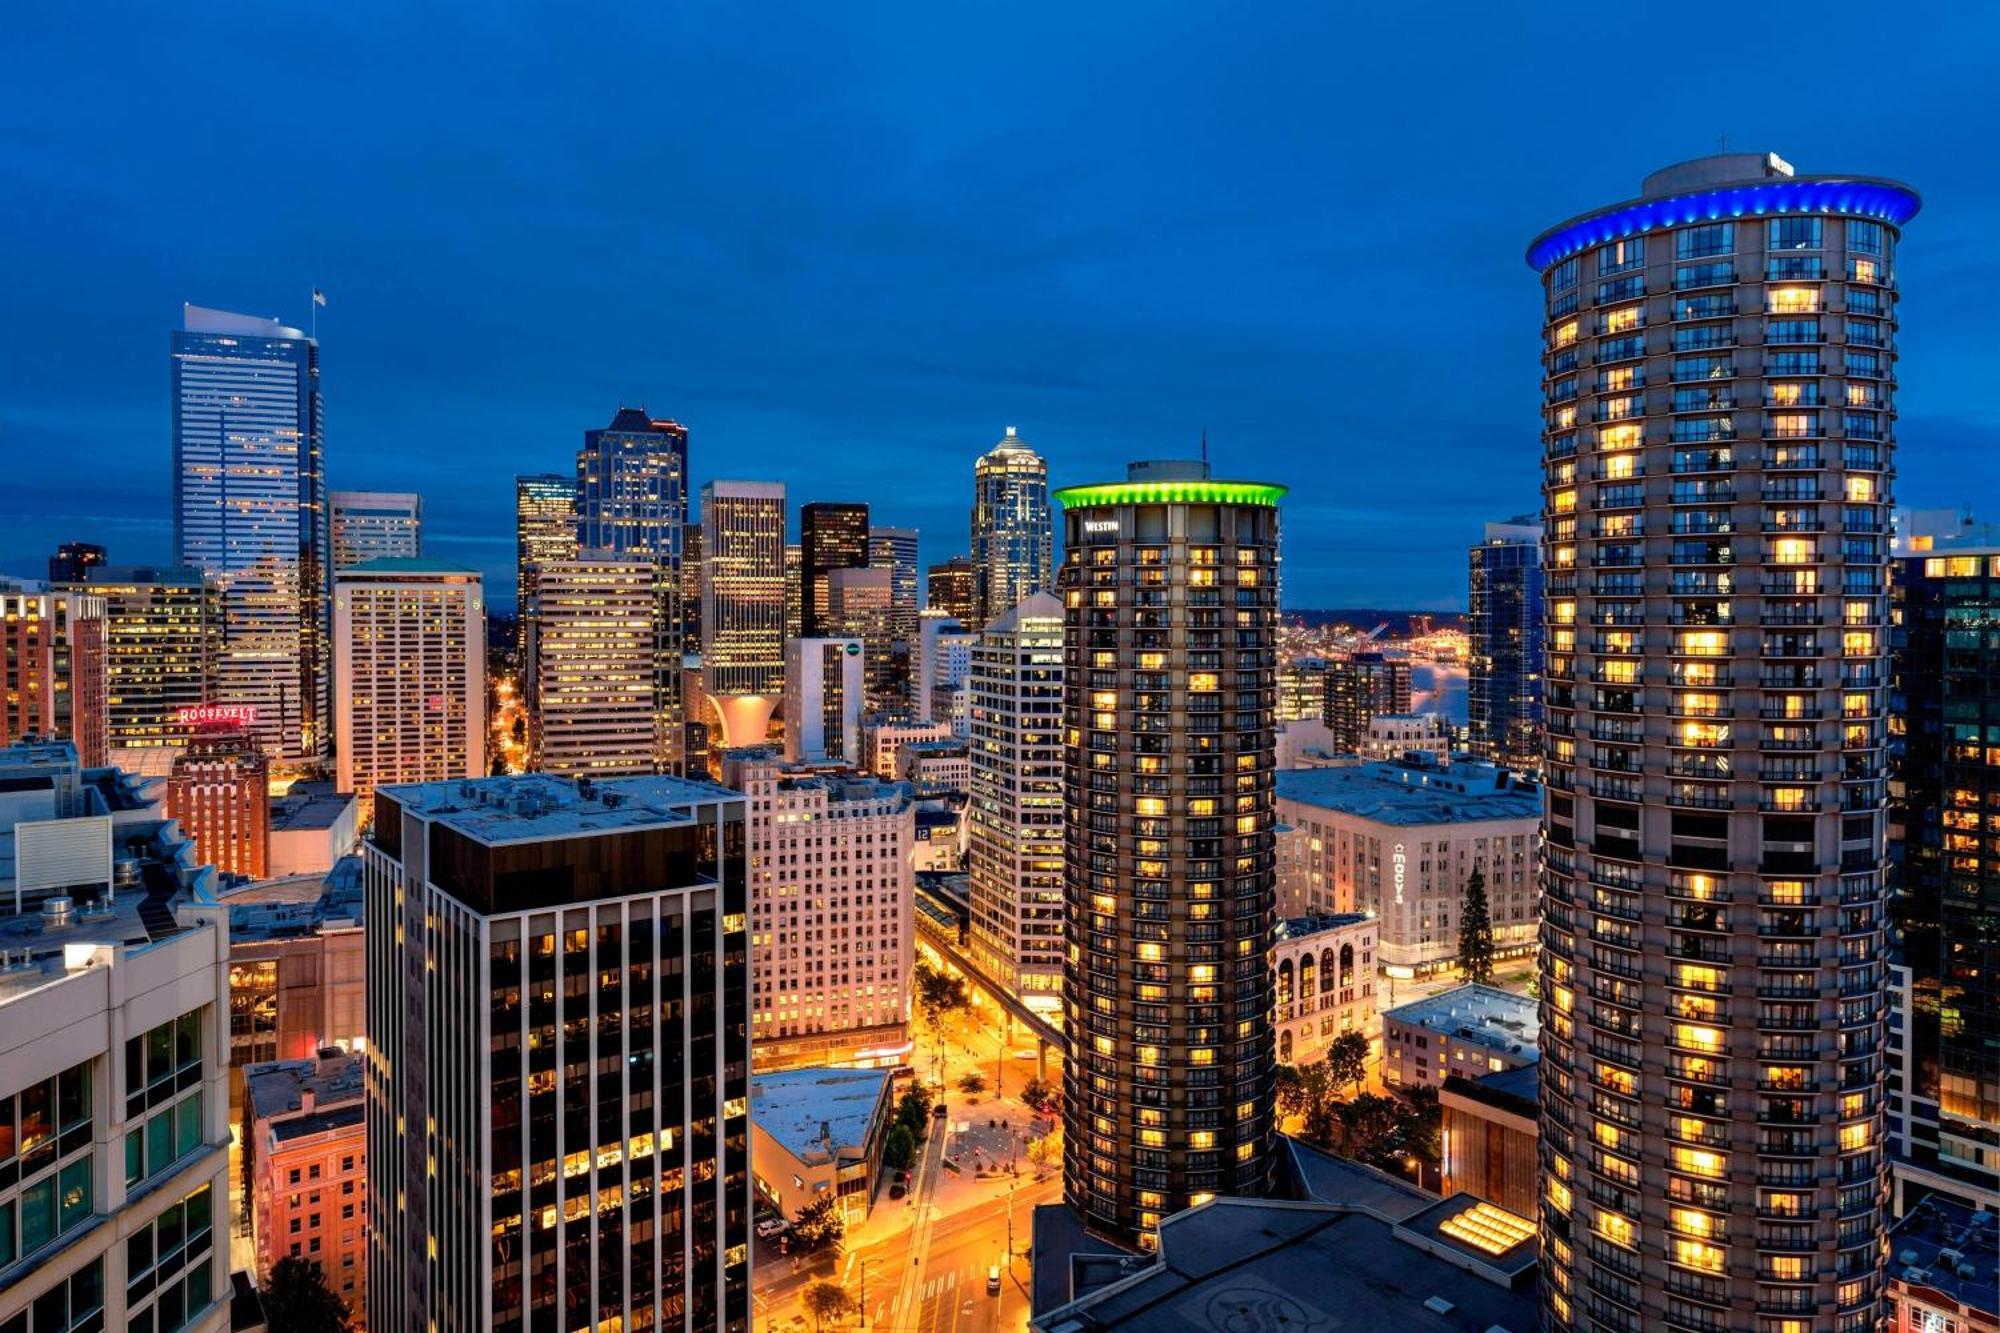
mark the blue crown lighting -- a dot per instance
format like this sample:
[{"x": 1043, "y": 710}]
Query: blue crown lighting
[{"x": 1876, "y": 200}]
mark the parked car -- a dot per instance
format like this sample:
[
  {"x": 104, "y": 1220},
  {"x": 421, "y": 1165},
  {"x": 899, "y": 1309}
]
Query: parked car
[
  {"x": 772, "y": 1226},
  {"x": 993, "y": 1280}
]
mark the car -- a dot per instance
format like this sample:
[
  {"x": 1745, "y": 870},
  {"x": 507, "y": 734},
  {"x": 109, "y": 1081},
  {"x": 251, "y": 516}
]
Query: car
[
  {"x": 993, "y": 1279},
  {"x": 772, "y": 1226},
  {"x": 940, "y": 1112}
]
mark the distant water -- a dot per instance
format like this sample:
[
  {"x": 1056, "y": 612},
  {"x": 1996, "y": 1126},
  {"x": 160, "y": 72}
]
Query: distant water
[{"x": 1439, "y": 689}]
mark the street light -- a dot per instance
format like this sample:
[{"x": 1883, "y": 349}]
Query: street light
[{"x": 864, "y": 1290}]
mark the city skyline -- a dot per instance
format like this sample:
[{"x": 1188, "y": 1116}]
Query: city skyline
[{"x": 1108, "y": 294}]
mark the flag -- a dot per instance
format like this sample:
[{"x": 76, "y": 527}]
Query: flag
[{"x": 319, "y": 297}]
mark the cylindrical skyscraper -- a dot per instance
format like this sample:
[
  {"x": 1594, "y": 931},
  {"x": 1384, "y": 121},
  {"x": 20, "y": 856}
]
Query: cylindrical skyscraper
[
  {"x": 1012, "y": 534},
  {"x": 1170, "y": 864},
  {"x": 1719, "y": 368}
]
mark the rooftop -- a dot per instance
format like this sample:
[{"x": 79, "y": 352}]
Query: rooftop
[
  {"x": 281, "y": 1087},
  {"x": 527, "y": 807},
  {"x": 1949, "y": 1249},
  {"x": 1518, "y": 1090},
  {"x": 309, "y": 805},
  {"x": 817, "y": 1114},
  {"x": 404, "y": 564},
  {"x": 1496, "y": 1019},
  {"x": 1407, "y": 793},
  {"x": 1298, "y": 927},
  {"x": 288, "y": 909}
]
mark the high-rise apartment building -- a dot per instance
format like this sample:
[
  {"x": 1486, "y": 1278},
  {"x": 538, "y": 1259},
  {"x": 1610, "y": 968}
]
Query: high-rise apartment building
[
  {"x": 220, "y": 791},
  {"x": 895, "y": 549},
  {"x": 558, "y": 1056},
  {"x": 824, "y": 691},
  {"x": 250, "y": 513},
  {"x": 1719, "y": 370},
  {"x": 631, "y": 500},
  {"x": 114, "y": 1058},
  {"x": 73, "y": 561},
  {"x": 940, "y": 658},
  {"x": 52, "y": 668},
  {"x": 1170, "y": 862},
  {"x": 544, "y": 529},
  {"x": 162, "y": 632},
  {"x": 409, "y": 673},
  {"x": 1504, "y": 645},
  {"x": 953, "y": 588},
  {"x": 831, "y": 536},
  {"x": 1015, "y": 850},
  {"x": 1945, "y": 798},
  {"x": 1302, "y": 690},
  {"x": 589, "y": 656},
  {"x": 375, "y": 525},
  {"x": 831, "y": 893},
  {"x": 743, "y": 604},
  {"x": 1013, "y": 536},
  {"x": 1361, "y": 687}
]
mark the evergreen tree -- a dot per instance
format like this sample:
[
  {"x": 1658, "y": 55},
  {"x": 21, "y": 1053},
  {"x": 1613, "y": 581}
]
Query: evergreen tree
[
  {"x": 1475, "y": 932},
  {"x": 298, "y": 1300}
]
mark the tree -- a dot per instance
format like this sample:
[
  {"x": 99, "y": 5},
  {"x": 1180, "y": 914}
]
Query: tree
[
  {"x": 1347, "y": 1060},
  {"x": 817, "y": 1227},
  {"x": 828, "y": 1301},
  {"x": 938, "y": 995},
  {"x": 1475, "y": 932},
  {"x": 1369, "y": 1129},
  {"x": 972, "y": 1081},
  {"x": 1041, "y": 1097},
  {"x": 297, "y": 1299},
  {"x": 913, "y": 1111},
  {"x": 1423, "y": 1126},
  {"x": 899, "y": 1148}
]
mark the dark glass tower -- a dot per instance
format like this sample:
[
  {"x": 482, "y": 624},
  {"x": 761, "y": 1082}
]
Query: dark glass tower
[
  {"x": 831, "y": 536},
  {"x": 1719, "y": 374},
  {"x": 1170, "y": 866},
  {"x": 1504, "y": 645},
  {"x": 1945, "y": 794}
]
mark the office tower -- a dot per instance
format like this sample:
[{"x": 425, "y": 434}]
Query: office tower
[
  {"x": 220, "y": 791},
  {"x": 861, "y": 605},
  {"x": 1945, "y": 792},
  {"x": 831, "y": 893},
  {"x": 940, "y": 657},
  {"x": 953, "y": 588},
  {"x": 250, "y": 513},
  {"x": 895, "y": 549},
  {"x": 1361, "y": 686},
  {"x": 558, "y": 1056},
  {"x": 823, "y": 696},
  {"x": 1302, "y": 690},
  {"x": 306, "y": 1123},
  {"x": 52, "y": 668},
  {"x": 1012, "y": 535},
  {"x": 1015, "y": 680},
  {"x": 743, "y": 605},
  {"x": 375, "y": 525},
  {"x": 795, "y": 594},
  {"x": 409, "y": 673},
  {"x": 1170, "y": 865},
  {"x": 114, "y": 1047},
  {"x": 1504, "y": 645},
  {"x": 544, "y": 529},
  {"x": 831, "y": 536},
  {"x": 631, "y": 500},
  {"x": 162, "y": 631},
  {"x": 589, "y": 658},
  {"x": 1718, "y": 370},
  {"x": 73, "y": 562},
  {"x": 690, "y": 600}
]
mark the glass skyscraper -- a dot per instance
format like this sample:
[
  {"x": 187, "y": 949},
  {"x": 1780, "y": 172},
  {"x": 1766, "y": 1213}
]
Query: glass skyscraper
[
  {"x": 250, "y": 513},
  {"x": 1719, "y": 374},
  {"x": 743, "y": 600},
  {"x": 1013, "y": 534},
  {"x": 831, "y": 536},
  {"x": 544, "y": 529},
  {"x": 1504, "y": 645}
]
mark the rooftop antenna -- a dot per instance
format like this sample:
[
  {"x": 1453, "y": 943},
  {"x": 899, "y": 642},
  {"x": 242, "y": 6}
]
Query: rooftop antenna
[{"x": 1204, "y": 444}]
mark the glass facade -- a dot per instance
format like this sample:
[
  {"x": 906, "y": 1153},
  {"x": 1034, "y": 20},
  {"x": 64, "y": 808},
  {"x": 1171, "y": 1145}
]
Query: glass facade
[
  {"x": 1504, "y": 646},
  {"x": 1013, "y": 534}
]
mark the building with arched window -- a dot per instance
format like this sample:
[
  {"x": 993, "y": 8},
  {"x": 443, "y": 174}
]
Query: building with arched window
[{"x": 1324, "y": 970}]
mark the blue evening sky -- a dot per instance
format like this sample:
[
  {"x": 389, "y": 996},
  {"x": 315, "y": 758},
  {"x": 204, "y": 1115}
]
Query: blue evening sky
[{"x": 848, "y": 243}]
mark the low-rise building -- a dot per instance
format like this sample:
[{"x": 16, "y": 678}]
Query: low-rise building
[
  {"x": 1471, "y": 1031},
  {"x": 1324, "y": 967},
  {"x": 297, "y": 963},
  {"x": 883, "y": 736},
  {"x": 1394, "y": 735},
  {"x": 938, "y": 839},
  {"x": 935, "y": 767},
  {"x": 305, "y": 1149},
  {"x": 815, "y": 1132},
  {"x": 1308, "y": 742},
  {"x": 1944, "y": 1270},
  {"x": 1402, "y": 838},
  {"x": 312, "y": 827},
  {"x": 114, "y": 1165},
  {"x": 1491, "y": 1126}
]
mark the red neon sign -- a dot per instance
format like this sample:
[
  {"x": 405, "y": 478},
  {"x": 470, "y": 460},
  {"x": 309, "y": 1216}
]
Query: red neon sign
[{"x": 202, "y": 715}]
